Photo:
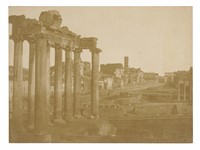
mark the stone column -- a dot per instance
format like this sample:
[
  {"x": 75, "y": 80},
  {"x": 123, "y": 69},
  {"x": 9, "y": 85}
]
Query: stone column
[
  {"x": 17, "y": 114},
  {"x": 95, "y": 84},
  {"x": 185, "y": 92},
  {"x": 77, "y": 82},
  {"x": 40, "y": 85},
  {"x": 48, "y": 84},
  {"x": 179, "y": 92},
  {"x": 68, "y": 84},
  {"x": 31, "y": 84},
  {"x": 58, "y": 85}
]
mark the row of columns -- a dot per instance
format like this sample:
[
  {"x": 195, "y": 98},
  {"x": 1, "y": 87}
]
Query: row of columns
[
  {"x": 39, "y": 84},
  {"x": 183, "y": 93}
]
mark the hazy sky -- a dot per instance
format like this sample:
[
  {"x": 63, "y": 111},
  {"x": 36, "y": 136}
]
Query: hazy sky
[{"x": 156, "y": 39}]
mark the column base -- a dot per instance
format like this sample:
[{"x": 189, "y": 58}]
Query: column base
[
  {"x": 58, "y": 121},
  {"x": 68, "y": 118},
  {"x": 94, "y": 117},
  {"x": 78, "y": 116}
]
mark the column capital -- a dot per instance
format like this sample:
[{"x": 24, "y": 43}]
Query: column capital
[
  {"x": 50, "y": 43},
  {"x": 95, "y": 50},
  {"x": 31, "y": 39},
  {"x": 41, "y": 35},
  {"x": 77, "y": 50},
  {"x": 58, "y": 46},
  {"x": 68, "y": 49},
  {"x": 17, "y": 38}
]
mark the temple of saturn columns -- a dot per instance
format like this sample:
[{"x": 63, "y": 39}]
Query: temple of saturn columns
[{"x": 42, "y": 35}]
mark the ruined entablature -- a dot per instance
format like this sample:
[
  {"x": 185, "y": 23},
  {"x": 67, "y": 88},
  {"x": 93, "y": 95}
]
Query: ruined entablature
[
  {"x": 96, "y": 50},
  {"x": 88, "y": 43},
  {"x": 51, "y": 18},
  {"x": 49, "y": 26},
  {"x": 28, "y": 29},
  {"x": 16, "y": 22}
]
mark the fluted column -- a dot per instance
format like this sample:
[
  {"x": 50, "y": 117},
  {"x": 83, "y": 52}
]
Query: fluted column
[
  {"x": 68, "y": 84},
  {"x": 31, "y": 83},
  {"x": 40, "y": 85},
  {"x": 17, "y": 84},
  {"x": 77, "y": 82},
  {"x": 58, "y": 85},
  {"x": 95, "y": 83}
]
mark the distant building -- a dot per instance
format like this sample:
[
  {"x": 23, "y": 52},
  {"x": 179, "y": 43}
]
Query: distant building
[
  {"x": 133, "y": 76},
  {"x": 161, "y": 79},
  {"x": 150, "y": 77},
  {"x": 106, "y": 82},
  {"x": 184, "y": 84},
  {"x": 182, "y": 80},
  {"x": 110, "y": 68},
  {"x": 169, "y": 77},
  {"x": 112, "y": 75},
  {"x": 85, "y": 84},
  {"x": 121, "y": 76},
  {"x": 85, "y": 76},
  {"x": 119, "y": 73},
  {"x": 85, "y": 68},
  {"x": 126, "y": 63}
]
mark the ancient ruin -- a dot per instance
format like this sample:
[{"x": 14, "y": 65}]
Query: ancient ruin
[
  {"x": 59, "y": 96},
  {"x": 43, "y": 34}
]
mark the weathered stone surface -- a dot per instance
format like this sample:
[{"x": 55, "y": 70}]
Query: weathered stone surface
[
  {"x": 51, "y": 18},
  {"x": 68, "y": 84},
  {"x": 16, "y": 22},
  {"x": 40, "y": 85},
  {"x": 54, "y": 39},
  {"x": 95, "y": 83},
  {"x": 77, "y": 81},
  {"x": 65, "y": 30},
  {"x": 58, "y": 85},
  {"x": 18, "y": 85},
  {"x": 31, "y": 84},
  {"x": 32, "y": 26},
  {"x": 88, "y": 43}
]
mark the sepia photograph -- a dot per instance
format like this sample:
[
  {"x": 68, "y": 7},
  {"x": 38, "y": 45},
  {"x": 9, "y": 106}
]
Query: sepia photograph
[{"x": 100, "y": 74}]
